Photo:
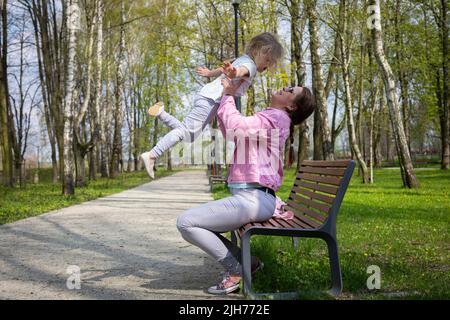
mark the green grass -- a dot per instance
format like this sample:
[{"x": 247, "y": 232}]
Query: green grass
[
  {"x": 404, "y": 232},
  {"x": 34, "y": 199}
]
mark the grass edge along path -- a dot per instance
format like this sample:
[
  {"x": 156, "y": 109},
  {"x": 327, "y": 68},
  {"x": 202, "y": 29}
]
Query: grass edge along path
[
  {"x": 404, "y": 232},
  {"x": 35, "y": 199}
]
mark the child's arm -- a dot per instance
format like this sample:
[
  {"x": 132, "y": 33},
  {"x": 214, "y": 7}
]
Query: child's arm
[
  {"x": 205, "y": 72},
  {"x": 234, "y": 72}
]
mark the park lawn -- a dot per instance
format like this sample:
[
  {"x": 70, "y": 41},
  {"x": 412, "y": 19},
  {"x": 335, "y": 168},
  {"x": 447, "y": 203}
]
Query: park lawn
[
  {"x": 35, "y": 199},
  {"x": 404, "y": 232}
]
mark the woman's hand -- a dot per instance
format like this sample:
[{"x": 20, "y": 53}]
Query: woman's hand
[
  {"x": 229, "y": 88},
  {"x": 203, "y": 71}
]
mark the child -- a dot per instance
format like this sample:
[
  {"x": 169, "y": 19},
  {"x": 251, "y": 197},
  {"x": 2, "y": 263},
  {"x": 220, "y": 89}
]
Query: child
[
  {"x": 252, "y": 183},
  {"x": 264, "y": 51}
]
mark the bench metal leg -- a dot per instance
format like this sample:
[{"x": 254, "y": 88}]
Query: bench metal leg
[
  {"x": 295, "y": 242},
  {"x": 336, "y": 275},
  {"x": 234, "y": 240},
  {"x": 246, "y": 263}
]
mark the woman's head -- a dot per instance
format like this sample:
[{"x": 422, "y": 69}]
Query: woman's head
[
  {"x": 299, "y": 102},
  {"x": 266, "y": 51}
]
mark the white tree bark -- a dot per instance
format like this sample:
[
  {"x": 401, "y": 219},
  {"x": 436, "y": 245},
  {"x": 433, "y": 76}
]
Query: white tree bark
[
  {"x": 374, "y": 23},
  {"x": 73, "y": 25},
  {"x": 99, "y": 131},
  {"x": 116, "y": 160}
]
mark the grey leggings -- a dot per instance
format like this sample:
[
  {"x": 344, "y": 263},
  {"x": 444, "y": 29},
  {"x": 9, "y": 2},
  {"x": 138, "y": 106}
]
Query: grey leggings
[
  {"x": 192, "y": 126},
  {"x": 202, "y": 225}
]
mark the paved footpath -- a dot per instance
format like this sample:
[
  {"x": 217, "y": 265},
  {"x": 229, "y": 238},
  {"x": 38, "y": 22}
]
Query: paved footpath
[{"x": 126, "y": 246}]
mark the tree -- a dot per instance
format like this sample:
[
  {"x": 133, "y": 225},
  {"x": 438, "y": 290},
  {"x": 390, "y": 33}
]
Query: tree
[
  {"x": 319, "y": 89},
  {"x": 409, "y": 177},
  {"x": 24, "y": 100},
  {"x": 81, "y": 145},
  {"x": 73, "y": 25},
  {"x": 298, "y": 74},
  {"x": 52, "y": 54},
  {"x": 116, "y": 158},
  {"x": 7, "y": 157},
  {"x": 344, "y": 44}
]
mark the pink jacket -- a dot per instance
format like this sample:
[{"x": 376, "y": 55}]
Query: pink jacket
[{"x": 259, "y": 139}]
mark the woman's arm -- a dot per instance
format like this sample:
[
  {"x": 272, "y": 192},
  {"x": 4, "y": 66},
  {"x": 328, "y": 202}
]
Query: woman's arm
[{"x": 232, "y": 119}]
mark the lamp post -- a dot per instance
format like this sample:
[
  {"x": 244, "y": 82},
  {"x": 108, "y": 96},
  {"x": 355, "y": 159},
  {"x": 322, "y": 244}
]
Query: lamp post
[{"x": 236, "y": 41}]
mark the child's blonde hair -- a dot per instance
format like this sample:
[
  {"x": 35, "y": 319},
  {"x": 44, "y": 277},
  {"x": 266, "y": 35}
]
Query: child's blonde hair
[{"x": 266, "y": 44}]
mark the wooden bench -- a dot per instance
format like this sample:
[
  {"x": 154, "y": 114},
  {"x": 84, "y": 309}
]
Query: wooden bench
[
  {"x": 216, "y": 175},
  {"x": 420, "y": 162},
  {"x": 216, "y": 179},
  {"x": 315, "y": 199}
]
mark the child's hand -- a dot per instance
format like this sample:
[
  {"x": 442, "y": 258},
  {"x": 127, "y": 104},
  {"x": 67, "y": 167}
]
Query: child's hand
[
  {"x": 229, "y": 70},
  {"x": 203, "y": 71}
]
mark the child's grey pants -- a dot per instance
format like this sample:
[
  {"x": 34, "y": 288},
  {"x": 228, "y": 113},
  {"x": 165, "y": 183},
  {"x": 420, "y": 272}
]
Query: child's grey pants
[
  {"x": 202, "y": 225},
  {"x": 192, "y": 126}
]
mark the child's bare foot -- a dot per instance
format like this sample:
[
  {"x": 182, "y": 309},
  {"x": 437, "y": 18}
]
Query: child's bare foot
[
  {"x": 156, "y": 109},
  {"x": 149, "y": 163}
]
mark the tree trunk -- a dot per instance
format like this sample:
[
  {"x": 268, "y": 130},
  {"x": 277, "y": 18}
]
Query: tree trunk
[
  {"x": 99, "y": 131},
  {"x": 345, "y": 56},
  {"x": 392, "y": 98},
  {"x": 318, "y": 86},
  {"x": 376, "y": 146},
  {"x": 372, "y": 109},
  {"x": 80, "y": 166},
  {"x": 402, "y": 74},
  {"x": 298, "y": 78},
  {"x": 6, "y": 143},
  {"x": 105, "y": 111},
  {"x": 93, "y": 164},
  {"x": 81, "y": 146},
  {"x": 445, "y": 114},
  {"x": 116, "y": 159},
  {"x": 73, "y": 23}
]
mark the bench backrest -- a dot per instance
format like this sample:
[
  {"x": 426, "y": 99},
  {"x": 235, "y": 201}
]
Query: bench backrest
[{"x": 319, "y": 189}]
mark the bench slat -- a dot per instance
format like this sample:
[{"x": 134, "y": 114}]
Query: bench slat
[
  {"x": 327, "y": 171},
  {"x": 275, "y": 223},
  {"x": 282, "y": 223},
  {"x": 300, "y": 223},
  {"x": 308, "y": 221},
  {"x": 319, "y": 187},
  {"x": 313, "y": 195},
  {"x": 330, "y": 180},
  {"x": 316, "y": 205},
  {"x": 320, "y": 163},
  {"x": 304, "y": 210}
]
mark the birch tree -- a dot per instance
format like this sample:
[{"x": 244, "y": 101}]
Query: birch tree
[
  {"x": 344, "y": 44},
  {"x": 374, "y": 22},
  {"x": 73, "y": 25},
  {"x": 116, "y": 158}
]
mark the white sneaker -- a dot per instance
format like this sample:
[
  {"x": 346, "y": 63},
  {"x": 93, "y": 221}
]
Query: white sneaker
[
  {"x": 156, "y": 109},
  {"x": 149, "y": 163}
]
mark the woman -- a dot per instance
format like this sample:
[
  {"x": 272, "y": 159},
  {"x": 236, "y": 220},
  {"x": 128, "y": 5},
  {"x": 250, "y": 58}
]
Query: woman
[{"x": 253, "y": 178}]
